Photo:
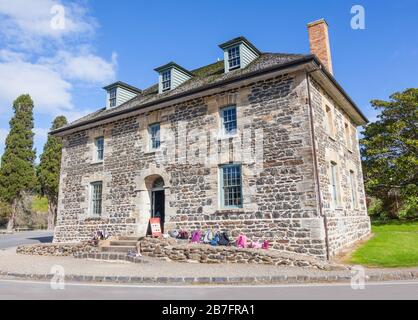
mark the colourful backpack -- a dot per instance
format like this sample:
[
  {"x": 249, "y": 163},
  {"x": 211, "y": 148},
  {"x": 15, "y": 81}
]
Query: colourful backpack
[
  {"x": 241, "y": 241},
  {"x": 196, "y": 236},
  {"x": 265, "y": 245},
  {"x": 208, "y": 236},
  {"x": 224, "y": 239},
  {"x": 215, "y": 239},
  {"x": 183, "y": 235}
]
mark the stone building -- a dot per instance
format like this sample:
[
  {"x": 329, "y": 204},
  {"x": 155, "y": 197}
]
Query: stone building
[{"x": 259, "y": 143}]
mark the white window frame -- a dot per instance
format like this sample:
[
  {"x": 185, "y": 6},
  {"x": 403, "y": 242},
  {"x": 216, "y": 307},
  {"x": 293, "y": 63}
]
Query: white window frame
[
  {"x": 166, "y": 80},
  {"x": 97, "y": 150},
  {"x": 222, "y": 187},
  {"x": 330, "y": 121},
  {"x": 348, "y": 136},
  {"x": 223, "y": 123},
  {"x": 334, "y": 184},
  {"x": 236, "y": 57},
  {"x": 93, "y": 206},
  {"x": 353, "y": 188},
  {"x": 112, "y": 97},
  {"x": 151, "y": 138}
]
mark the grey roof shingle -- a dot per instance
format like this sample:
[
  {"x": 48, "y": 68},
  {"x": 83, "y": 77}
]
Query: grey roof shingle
[{"x": 203, "y": 76}]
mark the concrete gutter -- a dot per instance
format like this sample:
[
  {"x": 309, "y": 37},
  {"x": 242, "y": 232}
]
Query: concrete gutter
[{"x": 256, "y": 280}]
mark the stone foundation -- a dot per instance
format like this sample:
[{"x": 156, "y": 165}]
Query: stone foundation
[
  {"x": 182, "y": 251},
  {"x": 57, "y": 249}
]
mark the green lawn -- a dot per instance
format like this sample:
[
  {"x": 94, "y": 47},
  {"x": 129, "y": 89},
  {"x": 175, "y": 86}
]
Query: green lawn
[
  {"x": 393, "y": 245},
  {"x": 40, "y": 204}
]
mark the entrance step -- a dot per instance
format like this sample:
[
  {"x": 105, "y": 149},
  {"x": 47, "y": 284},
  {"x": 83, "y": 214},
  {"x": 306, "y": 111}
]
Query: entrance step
[
  {"x": 133, "y": 238},
  {"x": 131, "y": 243},
  {"x": 111, "y": 256},
  {"x": 117, "y": 249}
]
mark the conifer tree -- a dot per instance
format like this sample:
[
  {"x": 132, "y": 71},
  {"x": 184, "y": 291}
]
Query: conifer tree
[
  {"x": 49, "y": 171},
  {"x": 17, "y": 173}
]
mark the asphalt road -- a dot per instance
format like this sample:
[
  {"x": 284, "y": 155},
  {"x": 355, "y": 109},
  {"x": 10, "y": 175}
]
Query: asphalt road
[
  {"x": 14, "y": 289},
  {"x": 27, "y": 237}
]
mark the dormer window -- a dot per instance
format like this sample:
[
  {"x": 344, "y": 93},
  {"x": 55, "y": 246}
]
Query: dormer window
[
  {"x": 234, "y": 59},
  {"x": 171, "y": 75},
  {"x": 166, "y": 80},
  {"x": 112, "y": 98},
  {"x": 119, "y": 93},
  {"x": 238, "y": 53}
]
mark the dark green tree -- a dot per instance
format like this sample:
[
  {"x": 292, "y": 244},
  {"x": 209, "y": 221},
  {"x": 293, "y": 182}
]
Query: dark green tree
[
  {"x": 17, "y": 174},
  {"x": 48, "y": 171},
  {"x": 389, "y": 150}
]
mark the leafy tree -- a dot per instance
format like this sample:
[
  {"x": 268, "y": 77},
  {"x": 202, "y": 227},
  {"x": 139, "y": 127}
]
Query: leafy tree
[
  {"x": 17, "y": 174},
  {"x": 390, "y": 154},
  {"x": 49, "y": 171}
]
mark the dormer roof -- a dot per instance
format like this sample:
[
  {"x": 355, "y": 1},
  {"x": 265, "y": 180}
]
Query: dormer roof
[
  {"x": 171, "y": 75},
  {"x": 173, "y": 65},
  {"x": 123, "y": 85},
  {"x": 237, "y": 41}
]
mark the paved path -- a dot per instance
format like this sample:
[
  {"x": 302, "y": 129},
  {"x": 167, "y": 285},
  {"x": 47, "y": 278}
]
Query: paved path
[
  {"x": 43, "y": 290},
  {"x": 27, "y": 237}
]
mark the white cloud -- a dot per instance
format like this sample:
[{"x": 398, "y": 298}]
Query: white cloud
[
  {"x": 51, "y": 94},
  {"x": 31, "y": 24},
  {"x": 48, "y": 62},
  {"x": 84, "y": 66},
  {"x": 12, "y": 56}
]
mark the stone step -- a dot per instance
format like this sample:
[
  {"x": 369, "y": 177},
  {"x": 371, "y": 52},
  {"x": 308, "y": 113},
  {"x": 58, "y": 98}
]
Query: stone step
[
  {"x": 123, "y": 243},
  {"x": 136, "y": 238},
  {"x": 118, "y": 249}
]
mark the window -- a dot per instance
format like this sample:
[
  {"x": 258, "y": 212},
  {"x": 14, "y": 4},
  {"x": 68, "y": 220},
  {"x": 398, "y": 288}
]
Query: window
[
  {"x": 231, "y": 188},
  {"x": 99, "y": 143},
  {"x": 334, "y": 185},
  {"x": 234, "y": 59},
  {"x": 166, "y": 80},
  {"x": 112, "y": 97},
  {"x": 96, "y": 198},
  {"x": 347, "y": 134},
  {"x": 330, "y": 121},
  {"x": 154, "y": 135},
  {"x": 353, "y": 190},
  {"x": 229, "y": 120}
]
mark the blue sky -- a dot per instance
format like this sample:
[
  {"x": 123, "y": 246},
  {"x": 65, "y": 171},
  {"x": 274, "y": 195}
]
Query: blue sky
[{"x": 64, "y": 69}]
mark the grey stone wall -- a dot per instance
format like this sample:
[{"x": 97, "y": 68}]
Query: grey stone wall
[
  {"x": 345, "y": 223},
  {"x": 280, "y": 201}
]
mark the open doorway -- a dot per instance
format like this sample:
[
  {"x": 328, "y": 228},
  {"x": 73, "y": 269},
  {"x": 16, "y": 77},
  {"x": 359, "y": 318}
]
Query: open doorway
[{"x": 158, "y": 201}]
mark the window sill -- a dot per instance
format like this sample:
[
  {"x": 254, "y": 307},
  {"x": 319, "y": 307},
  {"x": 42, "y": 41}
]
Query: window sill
[
  {"x": 225, "y": 137},
  {"x": 332, "y": 138},
  {"x": 149, "y": 152},
  {"x": 230, "y": 209},
  {"x": 93, "y": 218},
  {"x": 96, "y": 162}
]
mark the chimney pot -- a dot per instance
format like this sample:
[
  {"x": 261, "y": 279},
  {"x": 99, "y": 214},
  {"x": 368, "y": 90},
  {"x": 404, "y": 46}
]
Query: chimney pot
[{"x": 319, "y": 42}]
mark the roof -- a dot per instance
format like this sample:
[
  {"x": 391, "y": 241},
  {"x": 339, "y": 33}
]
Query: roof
[
  {"x": 173, "y": 65},
  {"x": 204, "y": 78},
  {"x": 239, "y": 39},
  {"x": 122, "y": 84}
]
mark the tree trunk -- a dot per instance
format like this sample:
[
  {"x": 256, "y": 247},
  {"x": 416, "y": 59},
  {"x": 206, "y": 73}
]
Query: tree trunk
[
  {"x": 52, "y": 213},
  {"x": 12, "y": 219}
]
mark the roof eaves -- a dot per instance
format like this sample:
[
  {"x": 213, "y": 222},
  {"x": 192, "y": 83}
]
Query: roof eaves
[
  {"x": 302, "y": 60},
  {"x": 122, "y": 84},
  {"x": 339, "y": 87}
]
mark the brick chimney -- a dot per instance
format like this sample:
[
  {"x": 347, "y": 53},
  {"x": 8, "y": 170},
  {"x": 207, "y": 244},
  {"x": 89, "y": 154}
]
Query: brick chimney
[{"x": 319, "y": 42}]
